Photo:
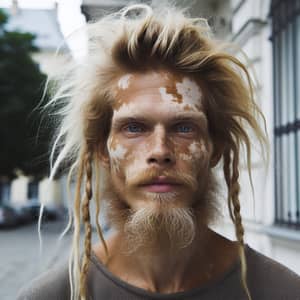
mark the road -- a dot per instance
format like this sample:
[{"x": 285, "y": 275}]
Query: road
[{"x": 20, "y": 258}]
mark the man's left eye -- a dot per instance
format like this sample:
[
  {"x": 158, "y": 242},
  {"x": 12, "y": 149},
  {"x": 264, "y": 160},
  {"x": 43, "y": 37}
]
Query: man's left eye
[{"x": 184, "y": 128}]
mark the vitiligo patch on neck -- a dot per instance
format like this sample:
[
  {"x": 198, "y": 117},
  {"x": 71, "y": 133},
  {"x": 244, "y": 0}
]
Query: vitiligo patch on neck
[{"x": 124, "y": 81}]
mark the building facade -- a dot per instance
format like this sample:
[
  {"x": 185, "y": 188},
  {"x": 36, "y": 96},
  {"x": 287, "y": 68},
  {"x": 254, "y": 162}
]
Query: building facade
[{"x": 269, "y": 34}]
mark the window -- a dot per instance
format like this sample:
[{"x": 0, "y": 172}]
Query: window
[
  {"x": 286, "y": 60},
  {"x": 4, "y": 192},
  {"x": 33, "y": 190}
]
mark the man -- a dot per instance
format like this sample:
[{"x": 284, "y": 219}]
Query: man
[{"x": 156, "y": 106}]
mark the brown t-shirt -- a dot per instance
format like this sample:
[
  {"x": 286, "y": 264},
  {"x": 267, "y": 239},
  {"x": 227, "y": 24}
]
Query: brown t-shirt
[{"x": 267, "y": 280}]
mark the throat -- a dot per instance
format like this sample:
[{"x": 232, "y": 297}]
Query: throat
[
  {"x": 161, "y": 268},
  {"x": 209, "y": 257}
]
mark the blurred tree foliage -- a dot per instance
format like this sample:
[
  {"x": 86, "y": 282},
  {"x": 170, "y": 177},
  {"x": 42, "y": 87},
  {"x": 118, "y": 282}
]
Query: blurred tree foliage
[{"x": 23, "y": 143}]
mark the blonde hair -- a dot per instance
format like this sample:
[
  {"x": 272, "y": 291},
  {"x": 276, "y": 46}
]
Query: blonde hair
[{"x": 139, "y": 38}]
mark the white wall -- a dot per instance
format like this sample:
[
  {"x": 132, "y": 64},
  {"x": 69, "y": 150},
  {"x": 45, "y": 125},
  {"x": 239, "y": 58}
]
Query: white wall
[
  {"x": 19, "y": 187},
  {"x": 50, "y": 193}
]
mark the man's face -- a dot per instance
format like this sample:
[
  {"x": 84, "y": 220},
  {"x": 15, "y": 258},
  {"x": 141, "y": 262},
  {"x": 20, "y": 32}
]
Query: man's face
[{"x": 159, "y": 147}]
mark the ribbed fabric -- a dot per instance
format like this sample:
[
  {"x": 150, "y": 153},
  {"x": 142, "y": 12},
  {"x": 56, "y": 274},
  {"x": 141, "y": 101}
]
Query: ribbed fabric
[{"x": 267, "y": 280}]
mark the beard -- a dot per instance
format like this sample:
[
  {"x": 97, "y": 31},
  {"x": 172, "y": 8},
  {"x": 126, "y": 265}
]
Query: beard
[
  {"x": 146, "y": 229},
  {"x": 162, "y": 226}
]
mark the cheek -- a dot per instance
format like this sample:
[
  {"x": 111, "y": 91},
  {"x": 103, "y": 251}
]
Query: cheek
[
  {"x": 127, "y": 161},
  {"x": 136, "y": 161},
  {"x": 134, "y": 166},
  {"x": 200, "y": 152},
  {"x": 194, "y": 155},
  {"x": 117, "y": 153}
]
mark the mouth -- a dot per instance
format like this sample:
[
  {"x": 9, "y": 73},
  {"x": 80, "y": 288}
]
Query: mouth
[{"x": 160, "y": 185}]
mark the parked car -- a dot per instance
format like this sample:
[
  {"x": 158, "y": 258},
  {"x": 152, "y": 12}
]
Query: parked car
[
  {"x": 9, "y": 216},
  {"x": 33, "y": 209},
  {"x": 24, "y": 216}
]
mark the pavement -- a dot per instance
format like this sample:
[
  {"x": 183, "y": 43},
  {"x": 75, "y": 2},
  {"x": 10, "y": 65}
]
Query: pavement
[{"x": 20, "y": 256}]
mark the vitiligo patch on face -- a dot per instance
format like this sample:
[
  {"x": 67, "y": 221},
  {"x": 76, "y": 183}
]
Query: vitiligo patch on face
[
  {"x": 135, "y": 167},
  {"x": 164, "y": 95},
  {"x": 123, "y": 82},
  {"x": 116, "y": 152},
  {"x": 185, "y": 157},
  {"x": 185, "y": 95},
  {"x": 190, "y": 92},
  {"x": 196, "y": 149},
  {"x": 126, "y": 109}
]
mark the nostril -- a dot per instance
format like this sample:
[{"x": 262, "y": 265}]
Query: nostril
[
  {"x": 167, "y": 160},
  {"x": 151, "y": 160}
]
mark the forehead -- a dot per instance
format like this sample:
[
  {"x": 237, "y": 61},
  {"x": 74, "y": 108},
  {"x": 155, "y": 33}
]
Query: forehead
[
  {"x": 158, "y": 92},
  {"x": 150, "y": 79}
]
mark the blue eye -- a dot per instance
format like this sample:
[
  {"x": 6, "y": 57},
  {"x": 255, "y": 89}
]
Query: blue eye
[
  {"x": 184, "y": 128},
  {"x": 134, "y": 128}
]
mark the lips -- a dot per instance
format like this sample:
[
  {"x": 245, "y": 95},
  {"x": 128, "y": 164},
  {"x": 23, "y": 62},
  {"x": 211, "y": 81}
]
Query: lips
[{"x": 160, "y": 185}]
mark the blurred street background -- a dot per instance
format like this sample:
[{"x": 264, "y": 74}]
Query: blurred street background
[
  {"x": 37, "y": 38},
  {"x": 21, "y": 259}
]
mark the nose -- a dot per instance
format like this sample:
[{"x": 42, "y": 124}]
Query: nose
[{"x": 160, "y": 153}]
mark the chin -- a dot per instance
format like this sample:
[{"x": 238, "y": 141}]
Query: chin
[
  {"x": 156, "y": 222},
  {"x": 162, "y": 198},
  {"x": 160, "y": 201}
]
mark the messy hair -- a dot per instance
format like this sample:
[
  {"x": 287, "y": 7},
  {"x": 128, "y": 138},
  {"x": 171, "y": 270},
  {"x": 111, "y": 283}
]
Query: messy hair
[{"x": 137, "y": 39}]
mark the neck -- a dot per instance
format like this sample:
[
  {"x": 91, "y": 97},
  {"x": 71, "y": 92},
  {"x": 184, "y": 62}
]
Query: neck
[
  {"x": 164, "y": 270},
  {"x": 165, "y": 267}
]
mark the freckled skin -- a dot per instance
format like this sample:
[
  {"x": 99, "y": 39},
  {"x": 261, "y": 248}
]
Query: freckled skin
[{"x": 160, "y": 137}]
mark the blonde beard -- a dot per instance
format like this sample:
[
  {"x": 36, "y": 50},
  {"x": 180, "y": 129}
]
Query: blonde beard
[
  {"x": 161, "y": 227},
  {"x": 146, "y": 229}
]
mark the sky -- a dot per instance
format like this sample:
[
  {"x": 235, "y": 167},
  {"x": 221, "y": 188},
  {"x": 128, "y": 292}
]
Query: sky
[{"x": 69, "y": 17}]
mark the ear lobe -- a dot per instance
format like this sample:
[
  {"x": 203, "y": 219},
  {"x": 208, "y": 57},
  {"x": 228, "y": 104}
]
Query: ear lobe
[
  {"x": 105, "y": 161},
  {"x": 103, "y": 156},
  {"x": 217, "y": 154},
  {"x": 214, "y": 160}
]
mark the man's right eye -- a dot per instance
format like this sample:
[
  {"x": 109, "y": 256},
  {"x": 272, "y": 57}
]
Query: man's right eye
[{"x": 133, "y": 128}]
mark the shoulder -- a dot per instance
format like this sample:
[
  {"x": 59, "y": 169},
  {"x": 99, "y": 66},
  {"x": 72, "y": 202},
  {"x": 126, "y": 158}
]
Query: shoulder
[
  {"x": 268, "y": 278},
  {"x": 53, "y": 284}
]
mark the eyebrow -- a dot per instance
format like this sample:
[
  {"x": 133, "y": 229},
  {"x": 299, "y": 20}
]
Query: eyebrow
[
  {"x": 192, "y": 115},
  {"x": 183, "y": 116}
]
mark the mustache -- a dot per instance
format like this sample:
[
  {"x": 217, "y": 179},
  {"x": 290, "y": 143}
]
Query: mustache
[{"x": 148, "y": 175}]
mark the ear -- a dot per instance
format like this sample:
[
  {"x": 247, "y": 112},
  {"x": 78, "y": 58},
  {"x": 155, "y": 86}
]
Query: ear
[
  {"x": 218, "y": 150},
  {"x": 103, "y": 156}
]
